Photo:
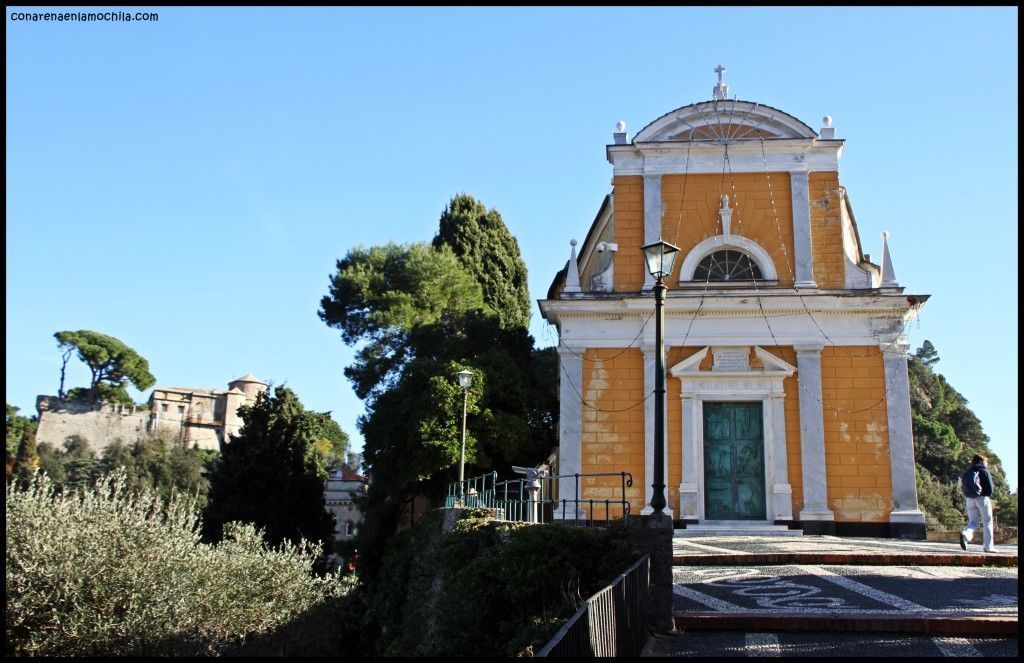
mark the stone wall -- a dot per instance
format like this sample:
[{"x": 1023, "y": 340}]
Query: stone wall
[{"x": 98, "y": 424}]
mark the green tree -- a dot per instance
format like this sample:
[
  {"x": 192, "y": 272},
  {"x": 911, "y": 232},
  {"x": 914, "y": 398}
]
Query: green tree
[
  {"x": 112, "y": 363},
  {"x": 420, "y": 315},
  {"x": 381, "y": 296},
  {"x": 271, "y": 475},
  {"x": 333, "y": 443},
  {"x": 27, "y": 461},
  {"x": 16, "y": 428},
  {"x": 162, "y": 466},
  {"x": 486, "y": 248}
]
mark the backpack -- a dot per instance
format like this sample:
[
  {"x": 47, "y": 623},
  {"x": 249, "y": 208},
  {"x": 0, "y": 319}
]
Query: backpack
[{"x": 970, "y": 482}]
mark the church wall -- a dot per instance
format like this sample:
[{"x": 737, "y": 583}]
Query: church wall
[
  {"x": 613, "y": 426},
  {"x": 763, "y": 213},
  {"x": 858, "y": 473},
  {"x": 791, "y": 406},
  {"x": 826, "y": 230},
  {"x": 628, "y": 199},
  {"x": 674, "y": 430}
]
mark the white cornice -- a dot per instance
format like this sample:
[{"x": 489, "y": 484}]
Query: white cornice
[
  {"x": 780, "y": 155},
  {"x": 868, "y": 319},
  {"x": 738, "y": 303}
]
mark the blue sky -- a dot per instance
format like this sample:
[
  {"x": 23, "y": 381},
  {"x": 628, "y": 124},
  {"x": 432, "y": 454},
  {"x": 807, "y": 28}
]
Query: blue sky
[{"x": 187, "y": 185}]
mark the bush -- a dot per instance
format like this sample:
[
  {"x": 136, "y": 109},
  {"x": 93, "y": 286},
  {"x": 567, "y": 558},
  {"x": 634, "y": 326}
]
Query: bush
[
  {"x": 119, "y": 572},
  {"x": 487, "y": 588}
]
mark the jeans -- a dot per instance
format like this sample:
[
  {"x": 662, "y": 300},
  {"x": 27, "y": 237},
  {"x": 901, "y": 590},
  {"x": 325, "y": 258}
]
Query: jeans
[{"x": 979, "y": 511}]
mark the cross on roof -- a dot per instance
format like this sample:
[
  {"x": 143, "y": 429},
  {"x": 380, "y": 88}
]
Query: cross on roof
[{"x": 720, "y": 91}]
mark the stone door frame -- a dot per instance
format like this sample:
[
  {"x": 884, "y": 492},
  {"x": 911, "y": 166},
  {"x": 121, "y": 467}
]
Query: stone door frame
[{"x": 733, "y": 379}]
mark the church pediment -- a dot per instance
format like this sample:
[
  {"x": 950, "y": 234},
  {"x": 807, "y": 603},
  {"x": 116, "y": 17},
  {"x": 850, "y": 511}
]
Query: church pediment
[
  {"x": 730, "y": 360},
  {"x": 724, "y": 121}
]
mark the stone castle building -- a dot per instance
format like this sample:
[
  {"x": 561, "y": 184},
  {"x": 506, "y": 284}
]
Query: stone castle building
[
  {"x": 787, "y": 400},
  {"x": 195, "y": 417}
]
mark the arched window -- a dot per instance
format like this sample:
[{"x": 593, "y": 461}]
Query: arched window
[
  {"x": 732, "y": 260},
  {"x": 349, "y": 528},
  {"x": 727, "y": 265}
]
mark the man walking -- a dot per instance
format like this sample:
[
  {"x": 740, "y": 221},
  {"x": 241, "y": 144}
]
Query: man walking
[{"x": 976, "y": 484}]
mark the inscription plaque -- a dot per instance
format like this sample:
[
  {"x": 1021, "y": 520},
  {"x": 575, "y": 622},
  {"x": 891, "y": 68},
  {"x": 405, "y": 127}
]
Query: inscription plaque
[{"x": 732, "y": 360}]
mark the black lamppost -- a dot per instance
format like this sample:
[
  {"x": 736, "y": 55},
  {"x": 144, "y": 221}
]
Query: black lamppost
[
  {"x": 465, "y": 380},
  {"x": 660, "y": 257}
]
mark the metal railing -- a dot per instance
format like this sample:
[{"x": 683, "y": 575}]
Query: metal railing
[
  {"x": 536, "y": 499},
  {"x": 612, "y": 622}
]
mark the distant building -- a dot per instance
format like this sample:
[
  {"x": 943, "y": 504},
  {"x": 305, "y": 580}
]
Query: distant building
[
  {"x": 342, "y": 487},
  {"x": 194, "y": 417}
]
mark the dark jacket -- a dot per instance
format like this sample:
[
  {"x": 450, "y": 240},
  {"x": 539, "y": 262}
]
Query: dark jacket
[{"x": 976, "y": 482}]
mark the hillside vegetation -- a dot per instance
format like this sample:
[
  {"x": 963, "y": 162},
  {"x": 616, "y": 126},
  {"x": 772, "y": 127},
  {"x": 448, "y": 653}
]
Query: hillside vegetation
[{"x": 946, "y": 434}]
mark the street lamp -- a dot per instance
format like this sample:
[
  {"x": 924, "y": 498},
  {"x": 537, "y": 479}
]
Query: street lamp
[
  {"x": 465, "y": 380},
  {"x": 660, "y": 257}
]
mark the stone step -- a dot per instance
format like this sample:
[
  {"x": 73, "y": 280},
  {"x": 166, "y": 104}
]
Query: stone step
[
  {"x": 927, "y": 623},
  {"x": 736, "y": 528}
]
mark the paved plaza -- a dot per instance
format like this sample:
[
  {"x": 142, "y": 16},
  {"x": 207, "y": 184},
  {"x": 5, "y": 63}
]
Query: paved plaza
[
  {"x": 838, "y": 584},
  {"x": 825, "y": 596}
]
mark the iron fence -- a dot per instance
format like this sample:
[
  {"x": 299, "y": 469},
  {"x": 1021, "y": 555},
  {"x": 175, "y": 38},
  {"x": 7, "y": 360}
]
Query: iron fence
[
  {"x": 612, "y": 622},
  {"x": 536, "y": 499}
]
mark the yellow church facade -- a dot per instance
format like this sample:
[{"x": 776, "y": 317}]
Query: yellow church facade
[{"x": 787, "y": 398}]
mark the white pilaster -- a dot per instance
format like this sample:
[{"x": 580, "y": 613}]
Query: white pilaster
[
  {"x": 652, "y": 218},
  {"x": 901, "y": 438},
  {"x": 570, "y": 427},
  {"x": 775, "y": 438},
  {"x": 812, "y": 434},
  {"x": 803, "y": 258},
  {"x": 690, "y": 501}
]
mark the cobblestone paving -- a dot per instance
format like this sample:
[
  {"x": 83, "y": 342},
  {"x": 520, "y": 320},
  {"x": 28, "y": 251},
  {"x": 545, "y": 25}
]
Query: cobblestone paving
[
  {"x": 842, "y": 584},
  {"x": 848, "y": 590}
]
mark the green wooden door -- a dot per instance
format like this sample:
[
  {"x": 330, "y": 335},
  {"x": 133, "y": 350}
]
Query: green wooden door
[{"x": 733, "y": 461}]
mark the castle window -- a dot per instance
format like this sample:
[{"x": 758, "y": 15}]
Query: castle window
[
  {"x": 727, "y": 265},
  {"x": 181, "y": 409},
  {"x": 163, "y": 407},
  {"x": 349, "y": 528}
]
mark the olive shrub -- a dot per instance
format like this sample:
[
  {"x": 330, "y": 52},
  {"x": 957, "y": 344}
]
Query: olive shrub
[{"x": 117, "y": 571}]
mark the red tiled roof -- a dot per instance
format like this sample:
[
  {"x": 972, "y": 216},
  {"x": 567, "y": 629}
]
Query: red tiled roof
[{"x": 347, "y": 474}]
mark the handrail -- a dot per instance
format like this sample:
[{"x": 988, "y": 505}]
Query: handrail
[
  {"x": 535, "y": 499},
  {"x": 612, "y": 622}
]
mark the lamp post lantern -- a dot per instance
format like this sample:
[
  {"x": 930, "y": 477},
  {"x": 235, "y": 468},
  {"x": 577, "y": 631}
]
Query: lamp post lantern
[
  {"x": 660, "y": 257},
  {"x": 465, "y": 380}
]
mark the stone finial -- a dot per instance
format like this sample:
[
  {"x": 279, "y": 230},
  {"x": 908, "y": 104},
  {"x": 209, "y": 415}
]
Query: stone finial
[
  {"x": 725, "y": 214},
  {"x": 888, "y": 274},
  {"x": 620, "y": 133},
  {"x": 827, "y": 130},
  {"x": 720, "y": 91},
  {"x": 572, "y": 272}
]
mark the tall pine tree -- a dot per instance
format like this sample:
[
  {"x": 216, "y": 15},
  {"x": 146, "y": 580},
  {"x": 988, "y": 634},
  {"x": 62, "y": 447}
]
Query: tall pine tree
[
  {"x": 482, "y": 241},
  {"x": 422, "y": 313}
]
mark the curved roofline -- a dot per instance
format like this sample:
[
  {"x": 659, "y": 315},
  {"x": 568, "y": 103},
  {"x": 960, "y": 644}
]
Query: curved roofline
[
  {"x": 248, "y": 377},
  {"x": 795, "y": 124}
]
